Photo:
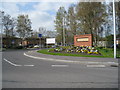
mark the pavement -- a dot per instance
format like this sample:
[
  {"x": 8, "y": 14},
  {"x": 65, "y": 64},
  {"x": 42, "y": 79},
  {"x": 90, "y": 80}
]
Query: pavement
[
  {"x": 107, "y": 62},
  {"x": 33, "y": 71}
]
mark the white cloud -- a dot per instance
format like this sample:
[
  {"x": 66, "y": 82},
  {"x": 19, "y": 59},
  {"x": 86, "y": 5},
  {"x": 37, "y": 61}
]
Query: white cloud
[
  {"x": 47, "y": 0},
  {"x": 41, "y": 19},
  {"x": 10, "y": 8},
  {"x": 45, "y": 6},
  {"x": 40, "y": 16}
]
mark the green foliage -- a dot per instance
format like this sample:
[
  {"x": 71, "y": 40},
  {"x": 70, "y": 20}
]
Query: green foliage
[
  {"x": 109, "y": 40},
  {"x": 82, "y": 18},
  {"x": 8, "y": 25},
  {"x": 23, "y": 26},
  {"x": 61, "y": 14}
]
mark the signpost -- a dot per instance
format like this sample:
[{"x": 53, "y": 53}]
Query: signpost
[{"x": 40, "y": 36}]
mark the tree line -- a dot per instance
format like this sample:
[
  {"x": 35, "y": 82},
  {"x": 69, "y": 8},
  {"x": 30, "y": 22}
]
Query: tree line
[
  {"x": 82, "y": 18},
  {"x": 86, "y": 18},
  {"x": 21, "y": 27}
]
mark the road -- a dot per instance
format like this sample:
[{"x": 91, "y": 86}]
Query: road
[{"x": 20, "y": 71}]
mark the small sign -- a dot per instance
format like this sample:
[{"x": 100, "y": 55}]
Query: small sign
[
  {"x": 50, "y": 40},
  {"x": 82, "y": 39},
  {"x": 39, "y": 35}
]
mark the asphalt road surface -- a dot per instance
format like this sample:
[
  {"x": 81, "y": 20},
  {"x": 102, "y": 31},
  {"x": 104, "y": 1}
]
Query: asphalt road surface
[{"x": 20, "y": 71}]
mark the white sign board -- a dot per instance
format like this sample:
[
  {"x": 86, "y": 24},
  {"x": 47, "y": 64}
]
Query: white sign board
[{"x": 50, "y": 40}]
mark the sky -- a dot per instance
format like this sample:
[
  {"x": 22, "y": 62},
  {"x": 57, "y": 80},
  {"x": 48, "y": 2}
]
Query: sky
[{"x": 42, "y": 14}]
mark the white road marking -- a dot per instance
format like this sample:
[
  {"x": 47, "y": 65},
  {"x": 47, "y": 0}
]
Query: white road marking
[
  {"x": 96, "y": 66},
  {"x": 29, "y": 65},
  {"x": 59, "y": 65},
  {"x": 12, "y": 63},
  {"x": 76, "y": 62},
  {"x": 16, "y": 65}
]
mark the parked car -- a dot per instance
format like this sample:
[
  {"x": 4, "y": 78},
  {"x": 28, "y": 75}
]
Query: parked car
[
  {"x": 19, "y": 47},
  {"x": 55, "y": 46},
  {"x": 30, "y": 46},
  {"x": 36, "y": 46}
]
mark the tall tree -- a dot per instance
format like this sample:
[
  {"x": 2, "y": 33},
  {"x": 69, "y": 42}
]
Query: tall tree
[
  {"x": 90, "y": 15},
  {"x": 8, "y": 25},
  {"x": 23, "y": 26},
  {"x": 71, "y": 24},
  {"x": 117, "y": 4},
  {"x": 51, "y": 34},
  {"x": 60, "y": 23},
  {"x": 109, "y": 23}
]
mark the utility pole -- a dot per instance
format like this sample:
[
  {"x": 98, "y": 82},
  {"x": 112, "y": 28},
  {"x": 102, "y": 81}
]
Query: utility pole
[
  {"x": 114, "y": 29},
  {"x": 63, "y": 32}
]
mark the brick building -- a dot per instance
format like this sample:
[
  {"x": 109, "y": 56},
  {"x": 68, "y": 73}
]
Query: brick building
[{"x": 10, "y": 42}]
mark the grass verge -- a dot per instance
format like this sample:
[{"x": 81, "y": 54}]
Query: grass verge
[{"x": 106, "y": 53}]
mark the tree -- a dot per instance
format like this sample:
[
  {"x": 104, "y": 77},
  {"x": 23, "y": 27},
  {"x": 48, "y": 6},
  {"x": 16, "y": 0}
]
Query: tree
[
  {"x": 60, "y": 23},
  {"x": 51, "y": 34},
  {"x": 71, "y": 24},
  {"x": 117, "y": 9},
  {"x": 23, "y": 26},
  {"x": 109, "y": 23},
  {"x": 90, "y": 15},
  {"x": 8, "y": 25},
  {"x": 45, "y": 33}
]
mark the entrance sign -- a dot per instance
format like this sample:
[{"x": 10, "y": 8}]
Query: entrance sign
[
  {"x": 83, "y": 40},
  {"x": 50, "y": 40}
]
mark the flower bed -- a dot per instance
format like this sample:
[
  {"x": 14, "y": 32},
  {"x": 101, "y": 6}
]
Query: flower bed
[{"x": 72, "y": 49}]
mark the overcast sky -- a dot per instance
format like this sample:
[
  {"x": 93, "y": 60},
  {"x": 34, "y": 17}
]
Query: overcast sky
[{"x": 42, "y": 14}]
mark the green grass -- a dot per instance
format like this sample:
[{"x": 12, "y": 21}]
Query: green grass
[
  {"x": 106, "y": 53},
  {"x": 118, "y": 53},
  {"x": 109, "y": 52}
]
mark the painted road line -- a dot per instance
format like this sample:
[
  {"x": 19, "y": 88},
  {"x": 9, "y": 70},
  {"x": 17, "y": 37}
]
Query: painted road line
[
  {"x": 71, "y": 61},
  {"x": 29, "y": 65},
  {"x": 59, "y": 65},
  {"x": 16, "y": 65},
  {"x": 96, "y": 66}
]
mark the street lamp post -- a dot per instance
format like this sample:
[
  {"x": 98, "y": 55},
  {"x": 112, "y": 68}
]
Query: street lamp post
[
  {"x": 63, "y": 32},
  {"x": 114, "y": 29}
]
